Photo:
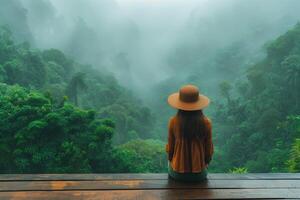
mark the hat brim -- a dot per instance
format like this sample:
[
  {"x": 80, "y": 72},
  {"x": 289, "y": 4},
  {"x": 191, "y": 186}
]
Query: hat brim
[{"x": 175, "y": 102}]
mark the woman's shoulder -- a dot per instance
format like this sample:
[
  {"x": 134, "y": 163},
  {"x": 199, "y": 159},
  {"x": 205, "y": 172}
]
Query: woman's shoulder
[
  {"x": 171, "y": 122},
  {"x": 172, "y": 119},
  {"x": 207, "y": 121}
]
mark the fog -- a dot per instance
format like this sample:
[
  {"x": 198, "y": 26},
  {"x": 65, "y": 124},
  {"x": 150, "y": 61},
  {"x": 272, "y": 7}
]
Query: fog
[
  {"x": 101, "y": 98},
  {"x": 147, "y": 42}
]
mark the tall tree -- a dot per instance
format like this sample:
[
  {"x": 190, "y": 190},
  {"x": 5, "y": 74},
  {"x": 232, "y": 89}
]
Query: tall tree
[
  {"x": 76, "y": 85},
  {"x": 225, "y": 89},
  {"x": 292, "y": 68}
]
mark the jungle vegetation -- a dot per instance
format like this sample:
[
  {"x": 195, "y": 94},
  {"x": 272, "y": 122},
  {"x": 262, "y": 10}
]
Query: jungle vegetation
[{"x": 60, "y": 115}]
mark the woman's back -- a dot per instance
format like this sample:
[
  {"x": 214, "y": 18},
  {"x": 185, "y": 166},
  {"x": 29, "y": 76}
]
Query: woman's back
[
  {"x": 189, "y": 154},
  {"x": 190, "y": 146}
]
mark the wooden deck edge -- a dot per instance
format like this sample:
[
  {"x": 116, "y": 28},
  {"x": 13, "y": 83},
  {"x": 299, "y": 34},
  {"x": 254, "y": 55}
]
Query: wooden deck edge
[{"x": 143, "y": 176}]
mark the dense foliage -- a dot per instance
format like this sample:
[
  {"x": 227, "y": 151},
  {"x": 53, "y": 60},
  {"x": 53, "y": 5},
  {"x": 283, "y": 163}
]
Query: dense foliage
[
  {"x": 57, "y": 115},
  {"x": 53, "y": 72},
  {"x": 38, "y": 136},
  {"x": 142, "y": 156},
  {"x": 42, "y": 128},
  {"x": 258, "y": 122}
]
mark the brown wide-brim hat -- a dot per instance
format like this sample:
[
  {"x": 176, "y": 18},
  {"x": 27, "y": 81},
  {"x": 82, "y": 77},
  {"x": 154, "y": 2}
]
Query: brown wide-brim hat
[{"x": 188, "y": 98}]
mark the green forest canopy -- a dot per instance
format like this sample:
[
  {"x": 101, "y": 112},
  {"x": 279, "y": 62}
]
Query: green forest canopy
[{"x": 57, "y": 115}]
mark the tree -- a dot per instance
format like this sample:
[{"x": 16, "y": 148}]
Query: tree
[
  {"x": 38, "y": 137},
  {"x": 291, "y": 65},
  {"x": 7, "y": 48},
  {"x": 51, "y": 72},
  {"x": 76, "y": 85},
  {"x": 260, "y": 125},
  {"x": 225, "y": 89},
  {"x": 141, "y": 156}
]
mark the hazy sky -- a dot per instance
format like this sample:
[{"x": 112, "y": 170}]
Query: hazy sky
[
  {"x": 160, "y": 22},
  {"x": 138, "y": 40}
]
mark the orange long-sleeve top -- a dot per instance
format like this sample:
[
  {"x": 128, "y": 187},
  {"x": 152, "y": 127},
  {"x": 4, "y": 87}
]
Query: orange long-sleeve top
[{"x": 178, "y": 150}]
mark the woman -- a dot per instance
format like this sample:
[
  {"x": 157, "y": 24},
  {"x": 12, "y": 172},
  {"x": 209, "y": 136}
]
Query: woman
[{"x": 190, "y": 146}]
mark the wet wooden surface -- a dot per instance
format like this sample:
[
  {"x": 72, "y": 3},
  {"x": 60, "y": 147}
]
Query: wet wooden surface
[{"x": 147, "y": 186}]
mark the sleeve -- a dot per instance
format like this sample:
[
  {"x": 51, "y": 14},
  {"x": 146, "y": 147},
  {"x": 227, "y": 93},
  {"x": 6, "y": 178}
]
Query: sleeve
[
  {"x": 171, "y": 140},
  {"x": 209, "y": 147}
]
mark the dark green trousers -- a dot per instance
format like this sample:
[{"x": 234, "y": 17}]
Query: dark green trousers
[{"x": 187, "y": 177}]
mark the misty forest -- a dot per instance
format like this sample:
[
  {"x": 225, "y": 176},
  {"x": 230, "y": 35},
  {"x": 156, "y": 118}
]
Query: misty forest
[{"x": 84, "y": 84}]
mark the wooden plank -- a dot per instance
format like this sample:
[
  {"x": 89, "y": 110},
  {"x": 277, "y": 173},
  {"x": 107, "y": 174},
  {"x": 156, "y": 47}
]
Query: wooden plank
[
  {"x": 156, "y": 194},
  {"x": 146, "y": 184},
  {"x": 255, "y": 176},
  {"x": 150, "y": 176},
  {"x": 77, "y": 177}
]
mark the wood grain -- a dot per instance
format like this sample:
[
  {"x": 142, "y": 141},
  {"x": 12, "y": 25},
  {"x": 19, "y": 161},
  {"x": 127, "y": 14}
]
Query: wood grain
[
  {"x": 155, "y": 194},
  {"x": 146, "y": 184},
  {"x": 125, "y": 176}
]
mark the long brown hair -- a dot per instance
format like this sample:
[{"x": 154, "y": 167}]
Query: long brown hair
[{"x": 191, "y": 124}]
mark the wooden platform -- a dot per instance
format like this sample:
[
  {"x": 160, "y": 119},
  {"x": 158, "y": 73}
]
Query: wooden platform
[{"x": 147, "y": 186}]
